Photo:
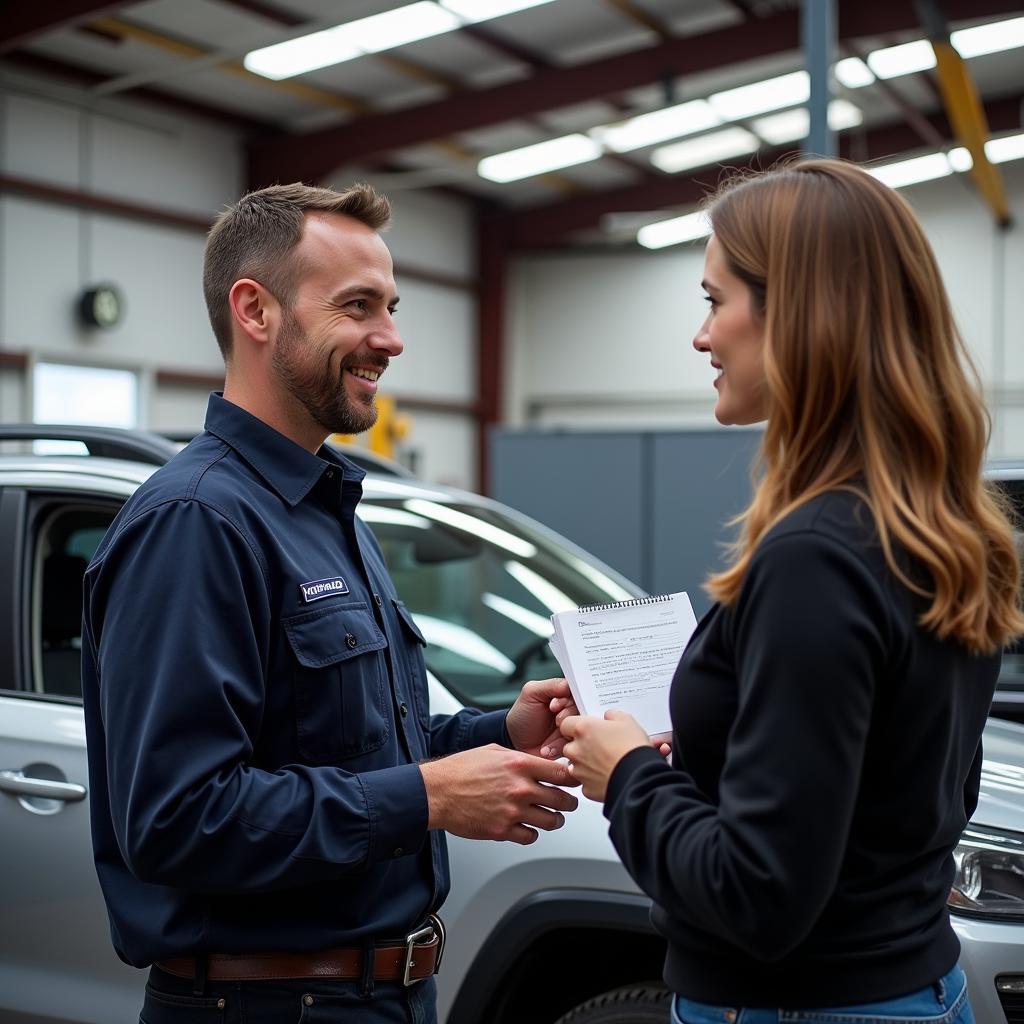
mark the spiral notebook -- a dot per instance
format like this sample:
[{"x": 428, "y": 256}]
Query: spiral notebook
[{"x": 624, "y": 655}]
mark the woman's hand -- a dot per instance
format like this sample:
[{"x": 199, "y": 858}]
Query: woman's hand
[{"x": 595, "y": 746}]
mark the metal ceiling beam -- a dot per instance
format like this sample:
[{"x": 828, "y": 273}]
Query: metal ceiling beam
[
  {"x": 312, "y": 156},
  {"x": 36, "y": 64},
  {"x": 549, "y": 225},
  {"x": 22, "y": 22}
]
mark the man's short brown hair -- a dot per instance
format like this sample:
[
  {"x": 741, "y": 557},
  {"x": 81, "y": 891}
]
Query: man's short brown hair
[{"x": 257, "y": 235}]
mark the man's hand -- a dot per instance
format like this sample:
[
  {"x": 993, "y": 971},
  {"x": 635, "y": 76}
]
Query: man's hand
[
  {"x": 596, "y": 745},
  {"x": 532, "y": 721},
  {"x": 495, "y": 793}
]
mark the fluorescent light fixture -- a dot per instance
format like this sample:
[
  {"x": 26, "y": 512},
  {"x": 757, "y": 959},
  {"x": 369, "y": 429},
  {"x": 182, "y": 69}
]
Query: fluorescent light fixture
[
  {"x": 904, "y": 59},
  {"x": 552, "y": 155},
  {"x": 473, "y": 526},
  {"x": 791, "y": 125},
  {"x": 853, "y": 73},
  {"x": 1009, "y": 148},
  {"x": 403, "y": 25},
  {"x": 657, "y": 126},
  {"x": 687, "y": 228},
  {"x": 481, "y": 10},
  {"x": 378, "y": 32},
  {"x": 704, "y": 150},
  {"x": 960, "y": 159},
  {"x": 771, "y": 94},
  {"x": 307, "y": 53},
  {"x": 990, "y": 38},
  {"x": 915, "y": 170}
]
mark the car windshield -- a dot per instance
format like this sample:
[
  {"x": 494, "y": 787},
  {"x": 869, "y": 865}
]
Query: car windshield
[{"x": 482, "y": 587}]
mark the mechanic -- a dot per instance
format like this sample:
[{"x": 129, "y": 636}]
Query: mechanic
[{"x": 269, "y": 789}]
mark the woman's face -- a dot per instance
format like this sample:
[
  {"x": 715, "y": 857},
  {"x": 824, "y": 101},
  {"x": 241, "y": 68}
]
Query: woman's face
[{"x": 733, "y": 336}]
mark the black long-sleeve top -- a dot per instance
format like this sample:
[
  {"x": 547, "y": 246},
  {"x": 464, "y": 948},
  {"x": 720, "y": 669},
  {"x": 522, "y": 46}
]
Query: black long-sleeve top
[{"x": 827, "y": 755}]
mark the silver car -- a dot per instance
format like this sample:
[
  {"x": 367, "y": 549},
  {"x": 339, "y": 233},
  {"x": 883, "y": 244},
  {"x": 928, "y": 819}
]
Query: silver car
[{"x": 481, "y": 581}]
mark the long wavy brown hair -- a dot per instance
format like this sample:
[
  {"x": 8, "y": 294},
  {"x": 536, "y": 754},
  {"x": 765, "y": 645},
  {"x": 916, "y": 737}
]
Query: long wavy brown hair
[{"x": 869, "y": 387}]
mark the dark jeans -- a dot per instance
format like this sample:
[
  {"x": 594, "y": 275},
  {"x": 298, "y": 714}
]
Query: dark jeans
[{"x": 170, "y": 1000}]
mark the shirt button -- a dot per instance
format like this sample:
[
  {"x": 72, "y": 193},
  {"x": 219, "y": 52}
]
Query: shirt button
[
  {"x": 308, "y": 1000},
  {"x": 380, "y": 603},
  {"x": 329, "y": 474},
  {"x": 398, "y": 851},
  {"x": 403, "y": 709},
  {"x": 351, "y": 640}
]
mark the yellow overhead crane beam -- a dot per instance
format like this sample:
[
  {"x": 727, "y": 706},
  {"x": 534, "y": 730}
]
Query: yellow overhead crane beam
[
  {"x": 964, "y": 109},
  {"x": 967, "y": 117}
]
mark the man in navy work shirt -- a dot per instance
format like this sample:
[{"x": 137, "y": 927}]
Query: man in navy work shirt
[{"x": 269, "y": 790}]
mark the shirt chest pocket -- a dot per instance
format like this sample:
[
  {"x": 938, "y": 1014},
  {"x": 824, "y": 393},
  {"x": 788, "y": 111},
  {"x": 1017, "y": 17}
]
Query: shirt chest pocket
[{"x": 340, "y": 682}]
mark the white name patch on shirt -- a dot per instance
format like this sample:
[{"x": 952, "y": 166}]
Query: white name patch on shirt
[{"x": 317, "y": 589}]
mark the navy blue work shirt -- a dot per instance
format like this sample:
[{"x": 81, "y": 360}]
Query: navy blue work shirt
[{"x": 255, "y": 706}]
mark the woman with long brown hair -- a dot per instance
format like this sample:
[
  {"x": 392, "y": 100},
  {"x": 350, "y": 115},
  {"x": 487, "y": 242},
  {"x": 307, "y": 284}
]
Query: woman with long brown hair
[{"x": 828, "y": 710}]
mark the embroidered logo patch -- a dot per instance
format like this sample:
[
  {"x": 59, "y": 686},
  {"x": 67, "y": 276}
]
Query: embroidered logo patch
[{"x": 317, "y": 589}]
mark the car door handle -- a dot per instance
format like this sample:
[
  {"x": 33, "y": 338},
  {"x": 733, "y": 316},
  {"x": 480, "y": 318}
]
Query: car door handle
[{"x": 24, "y": 785}]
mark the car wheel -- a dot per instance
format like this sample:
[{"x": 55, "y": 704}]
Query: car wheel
[{"x": 647, "y": 1005}]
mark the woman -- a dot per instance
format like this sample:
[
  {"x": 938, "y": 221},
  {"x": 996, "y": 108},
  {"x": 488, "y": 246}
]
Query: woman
[{"x": 828, "y": 710}]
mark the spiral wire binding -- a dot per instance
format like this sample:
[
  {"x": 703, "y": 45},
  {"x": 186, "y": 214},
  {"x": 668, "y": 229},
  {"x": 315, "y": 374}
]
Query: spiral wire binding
[{"x": 634, "y": 603}]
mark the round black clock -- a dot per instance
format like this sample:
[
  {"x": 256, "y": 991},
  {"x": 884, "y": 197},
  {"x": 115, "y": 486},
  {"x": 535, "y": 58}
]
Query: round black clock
[{"x": 101, "y": 306}]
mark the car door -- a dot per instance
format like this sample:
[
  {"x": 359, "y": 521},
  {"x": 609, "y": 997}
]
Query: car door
[{"x": 56, "y": 958}]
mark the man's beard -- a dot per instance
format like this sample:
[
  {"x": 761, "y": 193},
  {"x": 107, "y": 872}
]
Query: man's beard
[{"x": 315, "y": 387}]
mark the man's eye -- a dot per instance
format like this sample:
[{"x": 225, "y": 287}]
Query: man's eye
[
  {"x": 710, "y": 301},
  {"x": 392, "y": 310},
  {"x": 359, "y": 304}
]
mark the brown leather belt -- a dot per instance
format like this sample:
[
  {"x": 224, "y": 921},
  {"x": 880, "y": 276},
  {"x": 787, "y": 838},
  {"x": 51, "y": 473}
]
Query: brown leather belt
[{"x": 418, "y": 957}]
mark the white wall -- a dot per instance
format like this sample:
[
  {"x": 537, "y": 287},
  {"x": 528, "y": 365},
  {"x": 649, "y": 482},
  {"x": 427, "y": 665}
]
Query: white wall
[
  {"x": 49, "y": 252},
  {"x": 605, "y": 339}
]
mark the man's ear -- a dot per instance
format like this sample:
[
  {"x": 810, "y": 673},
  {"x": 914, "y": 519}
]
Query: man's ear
[{"x": 254, "y": 310}]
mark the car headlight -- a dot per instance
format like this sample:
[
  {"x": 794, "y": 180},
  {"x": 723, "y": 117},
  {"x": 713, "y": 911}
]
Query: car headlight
[{"x": 989, "y": 878}]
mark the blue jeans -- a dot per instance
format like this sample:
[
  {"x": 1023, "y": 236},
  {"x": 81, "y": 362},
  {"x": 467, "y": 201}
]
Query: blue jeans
[
  {"x": 944, "y": 1002},
  {"x": 170, "y": 1000}
]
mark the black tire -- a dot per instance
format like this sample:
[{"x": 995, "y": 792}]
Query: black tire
[{"x": 630, "y": 1005}]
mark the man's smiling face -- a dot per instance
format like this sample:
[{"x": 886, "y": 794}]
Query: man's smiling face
[{"x": 338, "y": 334}]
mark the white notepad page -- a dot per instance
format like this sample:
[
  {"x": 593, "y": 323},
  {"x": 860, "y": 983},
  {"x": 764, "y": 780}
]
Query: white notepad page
[{"x": 624, "y": 655}]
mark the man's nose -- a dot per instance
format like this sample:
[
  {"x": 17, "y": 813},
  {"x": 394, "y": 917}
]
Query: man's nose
[{"x": 387, "y": 339}]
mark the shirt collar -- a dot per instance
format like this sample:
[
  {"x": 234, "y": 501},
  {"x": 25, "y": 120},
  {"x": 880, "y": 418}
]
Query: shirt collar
[{"x": 286, "y": 466}]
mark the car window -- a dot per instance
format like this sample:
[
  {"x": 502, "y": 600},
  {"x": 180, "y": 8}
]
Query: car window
[
  {"x": 481, "y": 587},
  {"x": 67, "y": 538}
]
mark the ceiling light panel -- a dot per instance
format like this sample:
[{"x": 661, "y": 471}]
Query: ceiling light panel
[
  {"x": 307, "y": 53},
  {"x": 403, "y": 25},
  {"x": 790, "y": 125},
  {"x": 687, "y": 228},
  {"x": 1011, "y": 147},
  {"x": 853, "y": 73},
  {"x": 481, "y": 10},
  {"x": 905, "y": 59},
  {"x": 760, "y": 97},
  {"x": 707, "y": 149},
  {"x": 991, "y": 38},
  {"x": 913, "y": 171},
  {"x": 657, "y": 126},
  {"x": 541, "y": 158}
]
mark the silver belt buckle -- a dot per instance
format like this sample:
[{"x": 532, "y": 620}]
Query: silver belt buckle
[{"x": 424, "y": 934}]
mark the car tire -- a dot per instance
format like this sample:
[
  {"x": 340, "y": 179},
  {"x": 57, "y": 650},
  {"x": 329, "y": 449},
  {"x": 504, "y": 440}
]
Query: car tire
[{"x": 631, "y": 1005}]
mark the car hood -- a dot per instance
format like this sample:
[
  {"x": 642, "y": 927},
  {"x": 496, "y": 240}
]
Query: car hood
[{"x": 1001, "y": 802}]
